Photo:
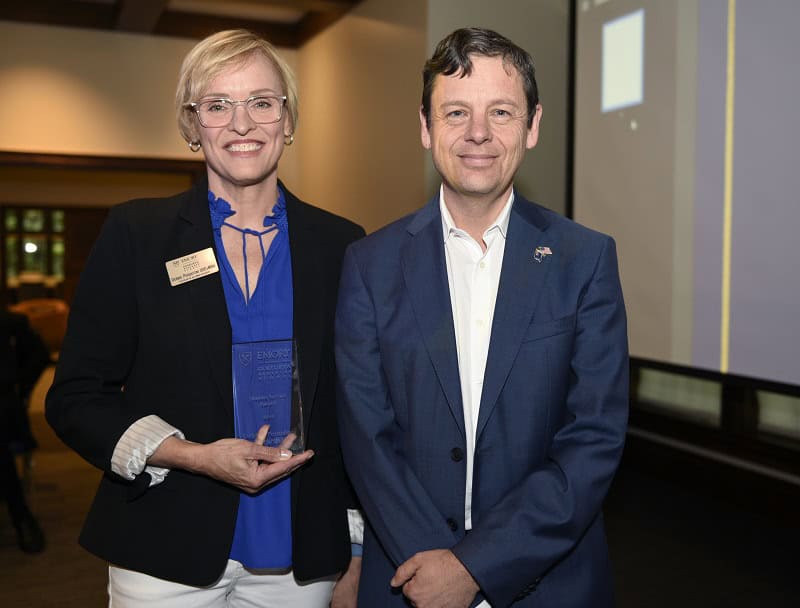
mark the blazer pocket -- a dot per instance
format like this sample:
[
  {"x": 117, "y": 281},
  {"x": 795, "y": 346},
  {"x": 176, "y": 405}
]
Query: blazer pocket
[{"x": 546, "y": 329}]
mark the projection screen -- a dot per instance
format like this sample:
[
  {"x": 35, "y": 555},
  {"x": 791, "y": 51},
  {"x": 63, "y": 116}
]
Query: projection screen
[{"x": 686, "y": 118}]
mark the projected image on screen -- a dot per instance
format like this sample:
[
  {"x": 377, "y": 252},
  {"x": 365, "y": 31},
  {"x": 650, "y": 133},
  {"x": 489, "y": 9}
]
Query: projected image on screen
[
  {"x": 689, "y": 161},
  {"x": 623, "y": 49}
]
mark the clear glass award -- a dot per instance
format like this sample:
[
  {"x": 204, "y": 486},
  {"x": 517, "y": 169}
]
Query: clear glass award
[{"x": 266, "y": 390}]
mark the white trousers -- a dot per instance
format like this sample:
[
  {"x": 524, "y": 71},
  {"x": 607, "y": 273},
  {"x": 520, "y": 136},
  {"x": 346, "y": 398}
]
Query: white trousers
[{"x": 237, "y": 588}]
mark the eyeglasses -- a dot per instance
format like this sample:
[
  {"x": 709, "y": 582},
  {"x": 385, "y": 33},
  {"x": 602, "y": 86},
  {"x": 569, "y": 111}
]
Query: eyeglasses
[{"x": 263, "y": 109}]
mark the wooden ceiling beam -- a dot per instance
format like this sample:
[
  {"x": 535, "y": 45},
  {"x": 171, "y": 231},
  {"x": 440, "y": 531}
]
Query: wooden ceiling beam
[
  {"x": 139, "y": 15},
  {"x": 321, "y": 6},
  {"x": 153, "y": 16},
  {"x": 112, "y": 163},
  {"x": 191, "y": 25},
  {"x": 314, "y": 22},
  {"x": 91, "y": 15}
]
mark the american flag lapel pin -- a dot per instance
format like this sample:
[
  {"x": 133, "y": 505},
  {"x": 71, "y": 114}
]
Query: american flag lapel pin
[{"x": 540, "y": 253}]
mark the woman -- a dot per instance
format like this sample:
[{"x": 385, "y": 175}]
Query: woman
[{"x": 186, "y": 514}]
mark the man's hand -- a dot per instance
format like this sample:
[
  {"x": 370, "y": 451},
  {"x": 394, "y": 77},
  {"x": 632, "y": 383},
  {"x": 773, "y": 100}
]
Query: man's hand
[
  {"x": 345, "y": 592},
  {"x": 436, "y": 579},
  {"x": 249, "y": 466}
]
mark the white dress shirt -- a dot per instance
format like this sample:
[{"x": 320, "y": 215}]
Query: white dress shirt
[{"x": 473, "y": 276}]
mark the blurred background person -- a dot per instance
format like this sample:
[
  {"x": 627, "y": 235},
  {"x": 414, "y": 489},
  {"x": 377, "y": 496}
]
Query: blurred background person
[
  {"x": 23, "y": 357},
  {"x": 186, "y": 513}
]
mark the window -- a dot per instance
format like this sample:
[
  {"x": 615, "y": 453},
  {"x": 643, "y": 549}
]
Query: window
[{"x": 32, "y": 248}]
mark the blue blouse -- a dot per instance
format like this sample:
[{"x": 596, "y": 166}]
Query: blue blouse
[{"x": 263, "y": 534}]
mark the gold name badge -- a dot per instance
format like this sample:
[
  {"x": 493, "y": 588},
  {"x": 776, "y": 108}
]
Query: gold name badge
[{"x": 190, "y": 267}]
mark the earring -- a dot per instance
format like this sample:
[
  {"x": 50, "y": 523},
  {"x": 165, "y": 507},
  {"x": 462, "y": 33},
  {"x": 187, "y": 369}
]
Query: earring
[
  {"x": 288, "y": 139},
  {"x": 194, "y": 145}
]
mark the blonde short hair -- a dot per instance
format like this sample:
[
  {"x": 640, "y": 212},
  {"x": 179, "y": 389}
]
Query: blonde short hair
[{"x": 212, "y": 56}]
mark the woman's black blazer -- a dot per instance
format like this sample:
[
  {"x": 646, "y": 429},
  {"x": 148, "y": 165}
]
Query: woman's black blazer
[{"x": 137, "y": 346}]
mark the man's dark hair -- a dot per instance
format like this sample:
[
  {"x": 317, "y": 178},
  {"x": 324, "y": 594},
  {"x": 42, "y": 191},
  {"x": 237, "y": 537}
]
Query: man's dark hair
[{"x": 452, "y": 55}]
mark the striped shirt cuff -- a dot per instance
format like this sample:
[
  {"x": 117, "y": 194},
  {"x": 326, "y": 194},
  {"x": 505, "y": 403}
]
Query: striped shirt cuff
[
  {"x": 355, "y": 521},
  {"x": 137, "y": 444}
]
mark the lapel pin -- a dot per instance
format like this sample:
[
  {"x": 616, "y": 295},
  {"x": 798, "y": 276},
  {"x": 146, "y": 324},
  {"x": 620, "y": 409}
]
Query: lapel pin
[{"x": 540, "y": 253}]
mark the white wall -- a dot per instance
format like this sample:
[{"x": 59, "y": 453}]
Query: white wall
[
  {"x": 74, "y": 91},
  {"x": 541, "y": 27},
  {"x": 357, "y": 150},
  {"x": 96, "y": 93},
  {"x": 358, "y": 132}
]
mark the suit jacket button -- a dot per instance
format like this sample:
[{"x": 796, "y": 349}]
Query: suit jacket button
[
  {"x": 457, "y": 454},
  {"x": 452, "y": 524}
]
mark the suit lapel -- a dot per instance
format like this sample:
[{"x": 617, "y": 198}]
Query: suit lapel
[
  {"x": 521, "y": 283},
  {"x": 308, "y": 262},
  {"x": 425, "y": 274},
  {"x": 206, "y": 294}
]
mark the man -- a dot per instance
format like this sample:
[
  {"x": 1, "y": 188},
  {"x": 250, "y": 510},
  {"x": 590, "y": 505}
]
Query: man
[{"x": 482, "y": 356}]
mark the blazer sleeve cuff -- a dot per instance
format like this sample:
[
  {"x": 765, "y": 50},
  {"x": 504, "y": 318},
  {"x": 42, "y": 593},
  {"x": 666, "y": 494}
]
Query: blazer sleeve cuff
[{"x": 137, "y": 444}]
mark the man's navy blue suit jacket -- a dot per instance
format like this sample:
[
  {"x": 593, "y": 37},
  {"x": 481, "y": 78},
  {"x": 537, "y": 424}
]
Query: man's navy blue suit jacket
[{"x": 552, "y": 417}]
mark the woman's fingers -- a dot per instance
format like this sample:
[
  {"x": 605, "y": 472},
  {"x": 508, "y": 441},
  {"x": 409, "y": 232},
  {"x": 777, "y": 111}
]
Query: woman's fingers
[
  {"x": 282, "y": 452},
  {"x": 276, "y": 454},
  {"x": 270, "y": 454},
  {"x": 288, "y": 441},
  {"x": 270, "y": 472},
  {"x": 261, "y": 436}
]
